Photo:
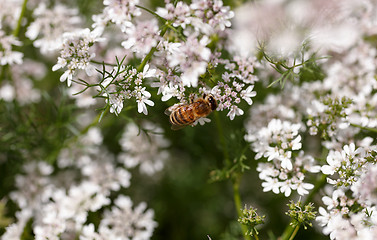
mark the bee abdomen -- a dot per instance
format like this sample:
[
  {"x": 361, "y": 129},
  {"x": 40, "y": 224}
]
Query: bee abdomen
[{"x": 180, "y": 117}]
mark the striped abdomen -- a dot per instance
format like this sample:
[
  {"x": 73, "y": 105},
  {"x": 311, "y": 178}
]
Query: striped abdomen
[{"x": 184, "y": 115}]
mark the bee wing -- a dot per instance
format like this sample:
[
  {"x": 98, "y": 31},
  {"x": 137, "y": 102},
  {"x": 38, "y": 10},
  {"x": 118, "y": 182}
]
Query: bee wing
[
  {"x": 168, "y": 111},
  {"x": 171, "y": 109},
  {"x": 177, "y": 127}
]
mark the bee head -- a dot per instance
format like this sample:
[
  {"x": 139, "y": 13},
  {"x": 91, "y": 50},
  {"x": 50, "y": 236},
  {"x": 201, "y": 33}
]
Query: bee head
[{"x": 212, "y": 101}]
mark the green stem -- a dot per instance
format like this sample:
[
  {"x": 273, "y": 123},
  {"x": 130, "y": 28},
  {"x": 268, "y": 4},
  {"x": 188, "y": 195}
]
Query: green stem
[
  {"x": 151, "y": 12},
  {"x": 108, "y": 64},
  {"x": 222, "y": 138},
  {"x": 294, "y": 232},
  {"x": 16, "y": 31},
  {"x": 364, "y": 128},
  {"x": 237, "y": 202},
  {"x": 95, "y": 121},
  {"x": 151, "y": 52},
  {"x": 255, "y": 234},
  {"x": 319, "y": 184}
]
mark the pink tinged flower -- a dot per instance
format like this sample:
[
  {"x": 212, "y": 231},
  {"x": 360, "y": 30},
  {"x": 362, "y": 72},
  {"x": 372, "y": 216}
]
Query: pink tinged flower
[
  {"x": 191, "y": 74},
  {"x": 271, "y": 153},
  {"x": 324, "y": 216},
  {"x": 351, "y": 150}
]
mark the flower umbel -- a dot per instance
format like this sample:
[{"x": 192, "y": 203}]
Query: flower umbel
[
  {"x": 251, "y": 219},
  {"x": 75, "y": 53},
  {"x": 301, "y": 214}
]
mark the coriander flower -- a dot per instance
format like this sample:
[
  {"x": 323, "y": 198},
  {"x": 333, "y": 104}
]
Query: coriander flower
[
  {"x": 237, "y": 84},
  {"x": 348, "y": 163},
  {"x": 192, "y": 58},
  {"x": 125, "y": 83},
  {"x": 75, "y": 53},
  {"x": 116, "y": 103},
  {"x": 142, "y": 37},
  {"x": 121, "y": 12},
  {"x": 286, "y": 165},
  {"x": 346, "y": 217}
]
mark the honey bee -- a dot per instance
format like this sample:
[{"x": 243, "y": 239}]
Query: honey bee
[{"x": 186, "y": 114}]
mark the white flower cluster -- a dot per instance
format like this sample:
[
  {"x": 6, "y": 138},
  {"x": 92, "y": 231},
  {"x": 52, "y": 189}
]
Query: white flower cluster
[
  {"x": 50, "y": 25},
  {"x": 189, "y": 59},
  {"x": 348, "y": 164},
  {"x": 9, "y": 13},
  {"x": 141, "y": 38},
  {"x": 350, "y": 208},
  {"x": 286, "y": 164},
  {"x": 127, "y": 84},
  {"x": 75, "y": 53},
  {"x": 328, "y": 115},
  {"x": 342, "y": 218},
  {"x": 118, "y": 12},
  {"x": 59, "y": 204},
  {"x": 206, "y": 16},
  {"x": 146, "y": 148},
  {"x": 238, "y": 83}
]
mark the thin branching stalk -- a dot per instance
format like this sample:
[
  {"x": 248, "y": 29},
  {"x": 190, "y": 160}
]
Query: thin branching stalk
[
  {"x": 255, "y": 234},
  {"x": 151, "y": 52},
  {"x": 294, "y": 232},
  {"x": 364, "y": 128},
  {"x": 16, "y": 31},
  {"x": 237, "y": 202},
  {"x": 235, "y": 177},
  {"x": 151, "y": 12},
  {"x": 222, "y": 138}
]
